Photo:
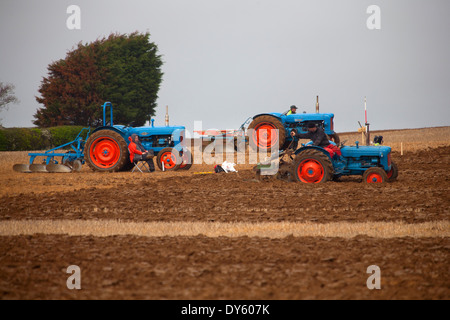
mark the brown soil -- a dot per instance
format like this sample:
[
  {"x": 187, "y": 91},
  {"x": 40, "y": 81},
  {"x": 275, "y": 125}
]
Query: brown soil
[
  {"x": 420, "y": 194},
  {"x": 200, "y": 267},
  {"x": 126, "y": 267}
]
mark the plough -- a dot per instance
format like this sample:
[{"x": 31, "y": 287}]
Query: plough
[
  {"x": 236, "y": 137},
  {"x": 71, "y": 161}
]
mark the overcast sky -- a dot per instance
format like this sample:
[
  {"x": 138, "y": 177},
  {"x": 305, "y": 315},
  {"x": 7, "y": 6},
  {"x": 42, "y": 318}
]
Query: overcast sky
[{"x": 226, "y": 60}]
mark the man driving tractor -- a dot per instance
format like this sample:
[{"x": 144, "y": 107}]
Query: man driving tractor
[
  {"x": 319, "y": 139},
  {"x": 292, "y": 110}
]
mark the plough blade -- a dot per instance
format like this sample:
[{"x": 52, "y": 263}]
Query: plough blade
[
  {"x": 58, "y": 168},
  {"x": 38, "y": 168},
  {"x": 24, "y": 168}
]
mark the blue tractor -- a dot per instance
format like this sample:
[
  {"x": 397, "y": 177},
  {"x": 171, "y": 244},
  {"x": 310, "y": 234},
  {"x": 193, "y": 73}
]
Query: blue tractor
[
  {"x": 312, "y": 164},
  {"x": 106, "y": 149},
  {"x": 271, "y": 130}
]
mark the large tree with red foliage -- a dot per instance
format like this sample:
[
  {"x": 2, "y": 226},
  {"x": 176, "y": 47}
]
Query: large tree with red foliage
[{"x": 123, "y": 69}]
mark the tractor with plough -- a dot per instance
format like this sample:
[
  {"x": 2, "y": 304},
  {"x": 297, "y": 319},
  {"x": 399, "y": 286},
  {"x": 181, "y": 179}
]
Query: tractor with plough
[
  {"x": 309, "y": 164},
  {"x": 106, "y": 149},
  {"x": 315, "y": 164}
]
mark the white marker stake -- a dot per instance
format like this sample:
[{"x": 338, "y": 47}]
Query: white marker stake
[
  {"x": 365, "y": 109},
  {"x": 162, "y": 166}
]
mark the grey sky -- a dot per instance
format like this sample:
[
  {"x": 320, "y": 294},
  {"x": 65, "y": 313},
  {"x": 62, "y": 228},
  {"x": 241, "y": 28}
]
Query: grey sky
[{"x": 228, "y": 60}]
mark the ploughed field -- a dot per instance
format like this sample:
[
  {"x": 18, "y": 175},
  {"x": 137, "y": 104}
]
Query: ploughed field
[{"x": 185, "y": 235}]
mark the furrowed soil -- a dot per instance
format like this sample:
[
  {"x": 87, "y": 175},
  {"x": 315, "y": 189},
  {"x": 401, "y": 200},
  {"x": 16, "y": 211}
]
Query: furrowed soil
[
  {"x": 33, "y": 266},
  {"x": 420, "y": 194},
  {"x": 128, "y": 267}
]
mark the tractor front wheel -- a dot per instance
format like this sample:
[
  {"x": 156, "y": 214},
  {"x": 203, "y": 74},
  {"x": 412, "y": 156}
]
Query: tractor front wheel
[
  {"x": 375, "y": 175},
  {"x": 313, "y": 166},
  {"x": 170, "y": 158},
  {"x": 393, "y": 174}
]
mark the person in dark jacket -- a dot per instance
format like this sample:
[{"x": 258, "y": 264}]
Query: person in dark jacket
[
  {"x": 319, "y": 139},
  {"x": 378, "y": 141},
  {"x": 317, "y": 135},
  {"x": 138, "y": 152}
]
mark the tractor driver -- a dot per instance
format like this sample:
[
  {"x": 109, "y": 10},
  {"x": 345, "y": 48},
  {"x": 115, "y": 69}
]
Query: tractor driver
[
  {"x": 138, "y": 152},
  {"x": 378, "y": 141},
  {"x": 293, "y": 110},
  {"x": 319, "y": 139}
]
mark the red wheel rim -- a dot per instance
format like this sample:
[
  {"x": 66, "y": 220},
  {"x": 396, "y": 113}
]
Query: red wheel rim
[
  {"x": 265, "y": 135},
  {"x": 310, "y": 171},
  {"x": 169, "y": 160},
  {"x": 374, "y": 178},
  {"x": 104, "y": 152}
]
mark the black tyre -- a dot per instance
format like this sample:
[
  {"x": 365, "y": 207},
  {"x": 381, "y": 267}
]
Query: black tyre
[
  {"x": 393, "y": 174},
  {"x": 375, "y": 175},
  {"x": 171, "y": 159},
  {"x": 263, "y": 136},
  {"x": 312, "y": 166},
  {"x": 107, "y": 151}
]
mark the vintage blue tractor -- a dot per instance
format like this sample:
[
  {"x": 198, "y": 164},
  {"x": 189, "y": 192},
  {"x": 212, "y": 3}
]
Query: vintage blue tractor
[
  {"x": 312, "y": 164},
  {"x": 269, "y": 130},
  {"x": 107, "y": 146}
]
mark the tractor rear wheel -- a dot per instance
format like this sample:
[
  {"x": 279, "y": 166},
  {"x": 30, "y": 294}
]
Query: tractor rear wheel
[
  {"x": 375, "y": 175},
  {"x": 171, "y": 159},
  {"x": 268, "y": 132},
  {"x": 393, "y": 174},
  {"x": 107, "y": 151},
  {"x": 312, "y": 166}
]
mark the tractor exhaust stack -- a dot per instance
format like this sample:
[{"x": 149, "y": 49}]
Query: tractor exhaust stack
[
  {"x": 367, "y": 123},
  {"x": 317, "y": 104},
  {"x": 167, "y": 116}
]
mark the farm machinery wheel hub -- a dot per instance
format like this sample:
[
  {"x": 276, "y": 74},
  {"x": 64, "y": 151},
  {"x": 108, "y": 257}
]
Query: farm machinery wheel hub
[
  {"x": 374, "y": 178},
  {"x": 310, "y": 171},
  {"x": 105, "y": 152},
  {"x": 265, "y": 135},
  {"x": 169, "y": 160}
]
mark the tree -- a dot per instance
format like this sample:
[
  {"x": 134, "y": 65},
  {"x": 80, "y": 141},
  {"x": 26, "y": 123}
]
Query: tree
[
  {"x": 122, "y": 69},
  {"x": 7, "y": 95}
]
